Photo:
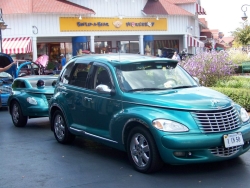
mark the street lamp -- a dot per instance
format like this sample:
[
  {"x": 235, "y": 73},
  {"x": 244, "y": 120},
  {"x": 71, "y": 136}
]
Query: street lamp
[
  {"x": 2, "y": 27},
  {"x": 244, "y": 17}
]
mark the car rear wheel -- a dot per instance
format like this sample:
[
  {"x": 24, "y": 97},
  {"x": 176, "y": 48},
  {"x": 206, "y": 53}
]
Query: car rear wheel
[
  {"x": 142, "y": 151},
  {"x": 60, "y": 129},
  {"x": 18, "y": 119}
]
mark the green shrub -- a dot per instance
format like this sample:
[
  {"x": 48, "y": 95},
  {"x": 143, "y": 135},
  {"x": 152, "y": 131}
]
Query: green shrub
[
  {"x": 234, "y": 82},
  {"x": 238, "y": 56},
  {"x": 238, "y": 95}
]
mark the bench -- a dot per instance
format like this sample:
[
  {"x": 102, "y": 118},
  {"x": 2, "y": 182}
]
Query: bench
[{"x": 245, "y": 66}]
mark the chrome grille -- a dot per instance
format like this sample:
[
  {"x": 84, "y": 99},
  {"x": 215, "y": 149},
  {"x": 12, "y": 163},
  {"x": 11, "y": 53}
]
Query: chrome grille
[
  {"x": 225, "y": 152},
  {"x": 217, "y": 121}
]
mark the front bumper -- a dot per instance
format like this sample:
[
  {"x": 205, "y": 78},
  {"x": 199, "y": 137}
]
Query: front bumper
[{"x": 197, "y": 148}]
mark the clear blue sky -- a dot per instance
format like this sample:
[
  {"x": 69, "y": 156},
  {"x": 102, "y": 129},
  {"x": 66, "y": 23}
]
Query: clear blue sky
[{"x": 224, "y": 15}]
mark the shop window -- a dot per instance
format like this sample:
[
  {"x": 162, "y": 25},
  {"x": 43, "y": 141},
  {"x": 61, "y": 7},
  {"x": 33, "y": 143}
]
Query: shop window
[
  {"x": 42, "y": 48},
  {"x": 54, "y": 52},
  {"x": 148, "y": 48},
  {"x": 128, "y": 46},
  {"x": 66, "y": 48},
  {"x": 103, "y": 47},
  {"x": 159, "y": 44}
]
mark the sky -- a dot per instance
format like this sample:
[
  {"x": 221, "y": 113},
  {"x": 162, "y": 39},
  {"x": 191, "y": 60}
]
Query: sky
[{"x": 224, "y": 15}]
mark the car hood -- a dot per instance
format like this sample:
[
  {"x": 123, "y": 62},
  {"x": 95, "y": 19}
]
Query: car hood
[
  {"x": 5, "y": 60},
  {"x": 198, "y": 98}
]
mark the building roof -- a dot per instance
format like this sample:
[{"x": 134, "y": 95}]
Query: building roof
[
  {"x": 203, "y": 21},
  {"x": 226, "y": 40},
  {"x": 162, "y": 7},
  {"x": 42, "y": 6},
  {"x": 182, "y": 1}
]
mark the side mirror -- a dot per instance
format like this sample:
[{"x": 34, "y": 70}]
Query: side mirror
[{"x": 104, "y": 89}]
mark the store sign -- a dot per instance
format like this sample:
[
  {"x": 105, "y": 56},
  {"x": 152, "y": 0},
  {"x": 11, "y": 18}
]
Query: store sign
[{"x": 69, "y": 24}]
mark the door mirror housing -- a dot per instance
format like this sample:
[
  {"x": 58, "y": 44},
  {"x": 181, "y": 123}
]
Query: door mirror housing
[{"x": 104, "y": 89}]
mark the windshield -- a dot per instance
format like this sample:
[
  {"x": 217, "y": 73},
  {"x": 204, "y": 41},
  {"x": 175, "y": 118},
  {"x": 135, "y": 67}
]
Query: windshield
[{"x": 147, "y": 76}]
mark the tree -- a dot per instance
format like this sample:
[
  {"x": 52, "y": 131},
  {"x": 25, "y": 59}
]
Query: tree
[{"x": 242, "y": 35}]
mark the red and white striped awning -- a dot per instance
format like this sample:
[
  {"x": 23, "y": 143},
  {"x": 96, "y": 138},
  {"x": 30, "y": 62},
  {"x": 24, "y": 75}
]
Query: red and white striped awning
[
  {"x": 19, "y": 45},
  {"x": 200, "y": 10},
  {"x": 193, "y": 42}
]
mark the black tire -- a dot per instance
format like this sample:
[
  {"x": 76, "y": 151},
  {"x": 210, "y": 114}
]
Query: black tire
[
  {"x": 60, "y": 129},
  {"x": 142, "y": 151},
  {"x": 18, "y": 119}
]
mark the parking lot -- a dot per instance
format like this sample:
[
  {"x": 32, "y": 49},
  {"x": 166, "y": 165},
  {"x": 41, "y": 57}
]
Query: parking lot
[{"x": 31, "y": 157}]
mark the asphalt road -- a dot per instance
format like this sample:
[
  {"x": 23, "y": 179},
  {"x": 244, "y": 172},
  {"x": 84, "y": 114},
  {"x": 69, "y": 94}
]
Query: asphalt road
[{"x": 30, "y": 157}]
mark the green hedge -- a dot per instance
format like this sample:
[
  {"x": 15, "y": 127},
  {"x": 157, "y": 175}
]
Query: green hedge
[{"x": 238, "y": 95}]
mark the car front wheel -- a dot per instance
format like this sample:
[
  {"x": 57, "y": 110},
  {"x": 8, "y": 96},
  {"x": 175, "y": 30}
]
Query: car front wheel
[
  {"x": 142, "y": 151},
  {"x": 60, "y": 129},
  {"x": 18, "y": 119}
]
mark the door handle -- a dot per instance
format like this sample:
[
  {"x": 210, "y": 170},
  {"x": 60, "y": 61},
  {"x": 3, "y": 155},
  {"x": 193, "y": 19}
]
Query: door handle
[{"x": 87, "y": 99}]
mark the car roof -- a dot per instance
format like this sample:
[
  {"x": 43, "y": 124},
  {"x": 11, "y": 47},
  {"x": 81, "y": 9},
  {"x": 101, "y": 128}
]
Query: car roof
[{"x": 121, "y": 58}]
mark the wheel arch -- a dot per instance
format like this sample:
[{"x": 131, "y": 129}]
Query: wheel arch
[
  {"x": 129, "y": 125},
  {"x": 52, "y": 111},
  {"x": 11, "y": 104}
]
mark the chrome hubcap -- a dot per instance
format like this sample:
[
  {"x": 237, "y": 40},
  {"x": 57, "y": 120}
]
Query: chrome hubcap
[
  {"x": 139, "y": 149},
  {"x": 15, "y": 113},
  {"x": 59, "y": 127}
]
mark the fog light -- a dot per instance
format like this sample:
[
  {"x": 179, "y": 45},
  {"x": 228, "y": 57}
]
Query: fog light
[{"x": 179, "y": 153}]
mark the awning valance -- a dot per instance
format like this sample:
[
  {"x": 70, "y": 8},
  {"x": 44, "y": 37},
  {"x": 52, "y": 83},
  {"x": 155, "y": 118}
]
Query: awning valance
[
  {"x": 193, "y": 42},
  {"x": 19, "y": 45},
  {"x": 200, "y": 10}
]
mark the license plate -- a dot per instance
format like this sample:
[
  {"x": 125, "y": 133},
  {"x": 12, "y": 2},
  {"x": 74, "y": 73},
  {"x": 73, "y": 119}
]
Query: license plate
[{"x": 234, "y": 139}]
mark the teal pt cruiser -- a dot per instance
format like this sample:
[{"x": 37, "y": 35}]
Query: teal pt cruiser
[{"x": 149, "y": 107}]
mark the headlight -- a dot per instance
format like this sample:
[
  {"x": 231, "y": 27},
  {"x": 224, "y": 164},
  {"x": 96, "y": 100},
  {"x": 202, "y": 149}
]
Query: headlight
[
  {"x": 244, "y": 115},
  {"x": 169, "y": 126},
  {"x": 31, "y": 100}
]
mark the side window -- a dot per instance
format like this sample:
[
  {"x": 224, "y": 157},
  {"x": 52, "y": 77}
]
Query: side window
[
  {"x": 64, "y": 77},
  {"x": 22, "y": 85},
  {"x": 101, "y": 75},
  {"x": 79, "y": 74},
  {"x": 18, "y": 84}
]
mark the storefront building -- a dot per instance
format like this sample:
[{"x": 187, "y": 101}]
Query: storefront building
[{"x": 73, "y": 27}]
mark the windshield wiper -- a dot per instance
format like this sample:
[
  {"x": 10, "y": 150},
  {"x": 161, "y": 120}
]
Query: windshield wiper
[
  {"x": 146, "y": 89},
  {"x": 180, "y": 87}
]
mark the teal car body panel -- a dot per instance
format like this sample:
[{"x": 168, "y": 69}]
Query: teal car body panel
[
  {"x": 108, "y": 116},
  {"x": 25, "y": 87}
]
